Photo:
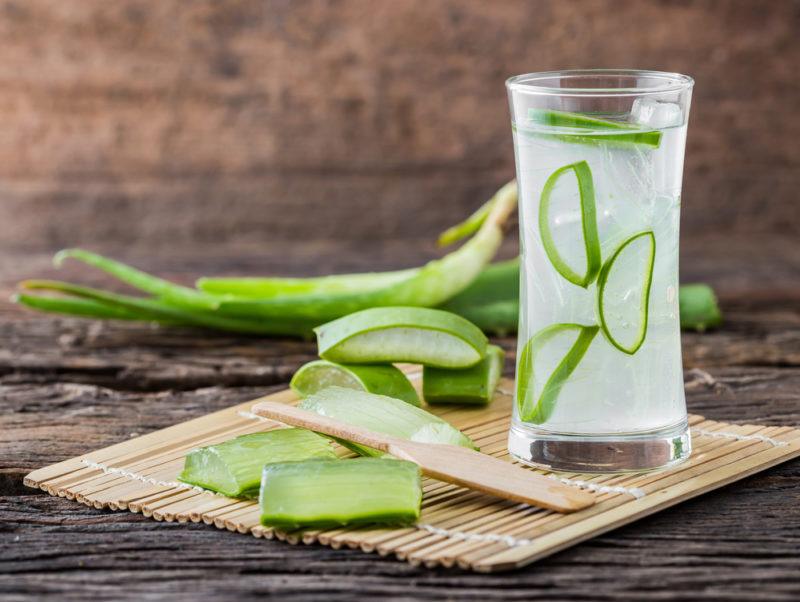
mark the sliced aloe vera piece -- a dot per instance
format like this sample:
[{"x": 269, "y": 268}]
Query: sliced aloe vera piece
[
  {"x": 383, "y": 415},
  {"x": 473, "y": 385},
  {"x": 619, "y": 133},
  {"x": 699, "y": 308},
  {"x": 418, "y": 335},
  {"x": 623, "y": 292},
  {"x": 588, "y": 229},
  {"x": 323, "y": 494},
  {"x": 374, "y": 378},
  {"x": 233, "y": 468},
  {"x": 534, "y": 405}
]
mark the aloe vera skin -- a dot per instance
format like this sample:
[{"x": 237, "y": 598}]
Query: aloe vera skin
[
  {"x": 383, "y": 414},
  {"x": 325, "y": 494},
  {"x": 402, "y": 334},
  {"x": 538, "y": 411},
  {"x": 233, "y": 468},
  {"x": 699, "y": 308},
  {"x": 474, "y": 386},
  {"x": 629, "y": 134},
  {"x": 375, "y": 378}
]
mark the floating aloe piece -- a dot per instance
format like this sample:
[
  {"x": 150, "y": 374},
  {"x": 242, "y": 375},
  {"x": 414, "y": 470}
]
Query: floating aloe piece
[
  {"x": 383, "y": 415},
  {"x": 538, "y": 408},
  {"x": 628, "y": 133},
  {"x": 418, "y": 335},
  {"x": 699, "y": 308},
  {"x": 591, "y": 240},
  {"x": 233, "y": 468},
  {"x": 623, "y": 292},
  {"x": 473, "y": 385},
  {"x": 373, "y": 378},
  {"x": 319, "y": 493}
]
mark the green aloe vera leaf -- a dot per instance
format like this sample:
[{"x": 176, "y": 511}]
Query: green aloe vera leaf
[
  {"x": 233, "y": 468},
  {"x": 538, "y": 408},
  {"x": 699, "y": 308},
  {"x": 591, "y": 240},
  {"x": 468, "y": 227},
  {"x": 382, "y": 414},
  {"x": 623, "y": 292},
  {"x": 86, "y": 308},
  {"x": 431, "y": 285},
  {"x": 418, "y": 335},
  {"x": 319, "y": 493},
  {"x": 158, "y": 310},
  {"x": 473, "y": 385},
  {"x": 174, "y": 293},
  {"x": 629, "y": 134},
  {"x": 374, "y": 378}
]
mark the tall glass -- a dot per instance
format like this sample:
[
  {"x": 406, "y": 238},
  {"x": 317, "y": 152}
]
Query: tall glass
[{"x": 599, "y": 157}]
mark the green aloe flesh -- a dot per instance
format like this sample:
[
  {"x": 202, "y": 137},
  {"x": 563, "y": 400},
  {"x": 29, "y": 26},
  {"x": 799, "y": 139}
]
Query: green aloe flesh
[
  {"x": 591, "y": 240},
  {"x": 323, "y": 494},
  {"x": 234, "y": 467},
  {"x": 373, "y": 378},
  {"x": 699, "y": 308},
  {"x": 537, "y": 408},
  {"x": 431, "y": 337},
  {"x": 622, "y": 319},
  {"x": 475, "y": 385},
  {"x": 383, "y": 414},
  {"x": 601, "y": 130}
]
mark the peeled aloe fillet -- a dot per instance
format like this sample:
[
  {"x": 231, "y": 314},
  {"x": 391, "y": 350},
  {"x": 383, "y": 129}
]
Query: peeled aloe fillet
[
  {"x": 590, "y": 238},
  {"x": 383, "y": 415},
  {"x": 537, "y": 408},
  {"x": 620, "y": 133},
  {"x": 418, "y": 335},
  {"x": 319, "y": 493},
  {"x": 473, "y": 385},
  {"x": 233, "y": 468},
  {"x": 374, "y": 378}
]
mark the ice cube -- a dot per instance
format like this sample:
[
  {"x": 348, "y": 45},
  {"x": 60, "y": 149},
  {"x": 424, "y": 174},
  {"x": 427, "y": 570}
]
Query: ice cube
[{"x": 656, "y": 114}]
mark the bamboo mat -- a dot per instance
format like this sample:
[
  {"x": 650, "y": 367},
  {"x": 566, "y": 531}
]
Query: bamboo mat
[{"x": 457, "y": 527}]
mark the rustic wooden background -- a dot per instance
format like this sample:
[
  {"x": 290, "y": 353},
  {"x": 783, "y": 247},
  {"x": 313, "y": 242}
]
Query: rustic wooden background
[{"x": 308, "y": 136}]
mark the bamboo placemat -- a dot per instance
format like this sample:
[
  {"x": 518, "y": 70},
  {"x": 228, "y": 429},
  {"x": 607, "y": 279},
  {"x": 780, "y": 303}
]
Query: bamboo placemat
[{"x": 457, "y": 526}]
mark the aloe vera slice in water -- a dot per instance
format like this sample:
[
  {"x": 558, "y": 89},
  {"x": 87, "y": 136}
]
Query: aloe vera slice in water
[
  {"x": 383, "y": 415},
  {"x": 473, "y": 385},
  {"x": 418, "y": 335},
  {"x": 548, "y": 214},
  {"x": 373, "y": 378},
  {"x": 233, "y": 468},
  {"x": 536, "y": 404},
  {"x": 619, "y": 133},
  {"x": 623, "y": 292},
  {"x": 318, "y": 493}
]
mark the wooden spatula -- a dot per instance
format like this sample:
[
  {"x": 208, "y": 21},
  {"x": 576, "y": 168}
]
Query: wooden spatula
[{"x": 449, "y": 463}]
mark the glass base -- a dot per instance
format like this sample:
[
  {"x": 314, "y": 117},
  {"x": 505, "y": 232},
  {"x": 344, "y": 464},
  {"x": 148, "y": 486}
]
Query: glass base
[{"x": 611, "y": 452}]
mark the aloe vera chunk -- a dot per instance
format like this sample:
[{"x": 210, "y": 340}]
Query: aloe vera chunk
[
  {"x": 374, "y": 378},
  {"x": 233, "y": 468},
  {"x": 319, "y": 493},
  {"x": 474, "y": 385},
  {"x": 383, "y": 415},
  {"x": 418, "y": 335},
  {"x": 699, "y": 308},
  {"x": 619, "y": 133}
]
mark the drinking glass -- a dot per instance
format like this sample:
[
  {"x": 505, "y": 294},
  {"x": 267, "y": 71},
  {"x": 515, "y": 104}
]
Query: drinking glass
[{"x": 599, "y": 157}]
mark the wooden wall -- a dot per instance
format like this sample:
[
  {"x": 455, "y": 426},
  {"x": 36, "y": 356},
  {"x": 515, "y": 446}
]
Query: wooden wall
[{"x": 165, "y": 123}]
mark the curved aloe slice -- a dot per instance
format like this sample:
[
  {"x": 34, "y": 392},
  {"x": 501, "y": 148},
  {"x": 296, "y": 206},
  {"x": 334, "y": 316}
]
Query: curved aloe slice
[
  {"x": 591, "y": 240},
  {"x": 473, "y": 385},
  {"x": 624, "y": 282},
  {"x": 628, "y": 133},
  {"x": 383, "y": 415},
  {"x": 233, "y": 468},
  {"x": 537, "y": 409},
  {"x": 373, "y": 378},
  {"x": 418, "y": 335},
  {"x": 322, "y": 494}
]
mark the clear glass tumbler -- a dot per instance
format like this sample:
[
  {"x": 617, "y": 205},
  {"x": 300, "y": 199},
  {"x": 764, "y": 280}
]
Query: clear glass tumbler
[{"x": 599, "y": 157}]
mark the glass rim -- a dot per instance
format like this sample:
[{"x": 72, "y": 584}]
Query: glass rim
[{"x": 669, "y": 82}]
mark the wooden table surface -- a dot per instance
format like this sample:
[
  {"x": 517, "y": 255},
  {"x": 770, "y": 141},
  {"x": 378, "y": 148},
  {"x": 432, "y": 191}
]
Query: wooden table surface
[{"x": 68, "y": 386}]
